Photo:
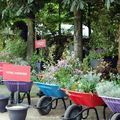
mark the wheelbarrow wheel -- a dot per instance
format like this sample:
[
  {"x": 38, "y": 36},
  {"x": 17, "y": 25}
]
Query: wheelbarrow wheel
[
  {"x": 116, "y": 116},
  {"x": 44, "y": 106},
  {"x": 72, "y": 111}
]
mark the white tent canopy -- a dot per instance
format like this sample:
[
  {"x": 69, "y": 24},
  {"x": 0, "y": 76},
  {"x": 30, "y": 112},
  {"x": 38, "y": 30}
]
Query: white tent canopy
[{"x": 70, "y": 28}]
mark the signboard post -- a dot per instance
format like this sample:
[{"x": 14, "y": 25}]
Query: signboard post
[
  {"x": 40, "y": 43},
  {"x": 16, "y": 73}
]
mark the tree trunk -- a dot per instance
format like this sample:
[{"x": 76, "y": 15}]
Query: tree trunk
[
  {"x": 78, "y": 44},
  {"x": 118, "y": 64},
  {"x": 89, "y": 21},
  {"x": 59, "y": 18},
  {"x": 30, "y": 39}
]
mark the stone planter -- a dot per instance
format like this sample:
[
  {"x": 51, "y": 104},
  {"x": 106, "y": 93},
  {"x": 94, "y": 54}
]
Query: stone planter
[
  {"x": 17, "y": 111},
  {"x": 3, "y": 103}
]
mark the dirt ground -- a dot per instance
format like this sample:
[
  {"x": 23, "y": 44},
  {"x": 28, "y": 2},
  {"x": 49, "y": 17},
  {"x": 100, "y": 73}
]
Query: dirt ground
[{"x": 54, "y": 114}]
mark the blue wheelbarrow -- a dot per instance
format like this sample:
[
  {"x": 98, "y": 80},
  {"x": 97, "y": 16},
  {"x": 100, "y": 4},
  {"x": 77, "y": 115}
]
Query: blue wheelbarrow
[{"x": 52, "y": 93}]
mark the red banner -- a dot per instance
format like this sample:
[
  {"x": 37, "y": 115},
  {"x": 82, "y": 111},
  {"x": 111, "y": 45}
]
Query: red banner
[
  {"x": 40, "y": 43},
  {"x": 16, "y": 72},
  {"x": 1, "y": 68}
]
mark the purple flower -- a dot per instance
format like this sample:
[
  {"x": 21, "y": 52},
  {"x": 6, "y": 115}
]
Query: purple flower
[{"x": 62, "y": 63}]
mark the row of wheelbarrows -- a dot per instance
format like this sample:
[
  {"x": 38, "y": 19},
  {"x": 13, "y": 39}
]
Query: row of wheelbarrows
[
  {"x": 17, "y": 79},
  {"x": 83, "y": 102}
]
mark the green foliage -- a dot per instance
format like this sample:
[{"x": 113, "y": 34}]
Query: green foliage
[
  {"x": 34, "y": 76},
  {"x": 115, "y": 78},
  {"x": 109, "y": 89},
  {"x": 49, "y": 17},
  {"x": 84, "y": 82},
  {"x": 63, "y": 75},
  {"x": 74, "y": 4},
  {"x": 104, "y": 34},
  {"x": 85, "y": 64},
  {"x": 95, "y": 55},
  {"x": 51, "y": 54},
  {"x": 5, "y": 57},
  {"x": 20, "y": 8},
  {"x": 38, "y": 57},
  {"x": 1, "y": 42},
  {"x": 60, "y": 73},
  {"x": 19, "y": 61},
  {"x": 88, "y": 82},
  {"x": 16, "y": 46}
]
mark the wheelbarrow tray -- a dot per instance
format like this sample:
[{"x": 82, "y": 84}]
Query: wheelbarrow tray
[
  {"x": 22, "y": 86},
  {"x": 51, "y": 90},
  {"x": 85, "y": 99},
  {"x": 112, "y": 103}
]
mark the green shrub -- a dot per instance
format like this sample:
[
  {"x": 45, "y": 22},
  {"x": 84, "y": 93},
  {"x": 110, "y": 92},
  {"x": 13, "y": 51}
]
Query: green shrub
[{"x": 16, "y": 47}]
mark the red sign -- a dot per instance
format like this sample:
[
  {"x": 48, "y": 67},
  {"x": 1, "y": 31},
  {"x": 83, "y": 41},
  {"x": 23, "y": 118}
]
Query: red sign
[
  {"x": 16, "y": 72},
  {"x": 1, "y": 68},
  {"x": 40, "y": 43}
]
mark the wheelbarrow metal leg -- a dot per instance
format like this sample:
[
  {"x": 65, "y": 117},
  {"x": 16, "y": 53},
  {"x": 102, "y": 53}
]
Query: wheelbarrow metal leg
[
  {"x": 64, "y": 103},
  {"x": 56, "y": 103},
  {"x": 12, "y": 97},
  {"x": 28, "y": 97},
  {"x": 104, "y": 111}
]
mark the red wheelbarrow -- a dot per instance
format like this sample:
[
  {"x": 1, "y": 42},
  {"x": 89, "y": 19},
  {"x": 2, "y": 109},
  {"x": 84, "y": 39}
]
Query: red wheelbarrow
[{"x": 88, "y": 100}]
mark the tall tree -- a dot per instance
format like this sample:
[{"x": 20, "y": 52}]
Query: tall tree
[
  {"x": 108, "y": 3},
  {"x": 23, "y": 10},
  {"x": 77, "y": 7}
]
